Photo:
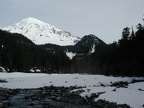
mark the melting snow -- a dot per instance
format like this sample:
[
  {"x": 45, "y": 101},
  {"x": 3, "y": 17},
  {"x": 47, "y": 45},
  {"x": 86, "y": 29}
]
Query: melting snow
[
  {"x": 92, "y": 49},
  {"x": 70, "y": 55},
  {"x": 133, "y": 95}
]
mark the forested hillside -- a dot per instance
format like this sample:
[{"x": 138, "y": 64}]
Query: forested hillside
[
  {"x": 17, "y": 53},
  {"x": 92, "y": 55},
  {"x": 126, "y": 57}
]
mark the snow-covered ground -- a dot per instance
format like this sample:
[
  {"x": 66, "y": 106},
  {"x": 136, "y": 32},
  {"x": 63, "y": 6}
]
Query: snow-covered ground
[{"x": 133, "y": 95}]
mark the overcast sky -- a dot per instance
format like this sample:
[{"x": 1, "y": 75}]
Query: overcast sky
[{"x": 103, "y": 18}]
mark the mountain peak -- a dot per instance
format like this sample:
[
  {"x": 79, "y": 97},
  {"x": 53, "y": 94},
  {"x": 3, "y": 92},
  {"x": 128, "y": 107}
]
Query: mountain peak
[
  {"x": 90, "y": 43},
  {"x": 32, "y": 20},
  {"x": 91, "y": 39},
  {"x": 42, "y": 33}
]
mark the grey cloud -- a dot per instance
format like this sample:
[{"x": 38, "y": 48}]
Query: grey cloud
[{"x": 104, "y": 18}]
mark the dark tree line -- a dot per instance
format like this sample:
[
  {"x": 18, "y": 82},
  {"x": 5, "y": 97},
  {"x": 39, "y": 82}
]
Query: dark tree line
[
  {"x": 17, "y": 53},
  {"x": 125, "y": 57}
]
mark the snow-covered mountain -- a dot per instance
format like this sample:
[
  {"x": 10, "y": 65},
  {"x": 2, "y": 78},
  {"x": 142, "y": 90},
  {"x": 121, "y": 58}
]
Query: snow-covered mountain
[{"x": 42, "y": 33}]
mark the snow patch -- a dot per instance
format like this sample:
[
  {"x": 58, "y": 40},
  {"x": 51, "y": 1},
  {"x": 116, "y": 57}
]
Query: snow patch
[
  {"x": 92, "y": 49},
  {"x": 134, "y": 98},
  {"x": 70, "y": 55}
]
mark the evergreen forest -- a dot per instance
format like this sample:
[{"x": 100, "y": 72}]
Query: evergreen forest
[{"x": 122, "y": 58}]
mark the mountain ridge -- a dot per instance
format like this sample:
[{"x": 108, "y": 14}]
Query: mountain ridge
[{"x": 88, "y": 44}]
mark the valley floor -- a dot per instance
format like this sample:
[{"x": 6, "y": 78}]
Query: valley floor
[{"x": 89, "y": 89}]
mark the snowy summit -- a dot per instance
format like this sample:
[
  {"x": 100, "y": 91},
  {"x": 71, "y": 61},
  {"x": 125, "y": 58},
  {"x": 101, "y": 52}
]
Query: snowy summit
[{"x": 42, "y": 33}]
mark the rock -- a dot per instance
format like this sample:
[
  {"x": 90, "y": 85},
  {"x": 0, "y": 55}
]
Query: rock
[
  {"x": 94, "y": 95},
  {"x": 114, "y": 89},
  {"x": 140, "y": 89},
  {"x": 3, "y": 81},
  {"x": 119, "y": 84},
  {"x": 137, "y": 80},
  {"x": 99, "y": 93},
  {"x": 124, "y": 106},
  {"x": 52, "y": 97},
  {"x": 105, "y": 104}
]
